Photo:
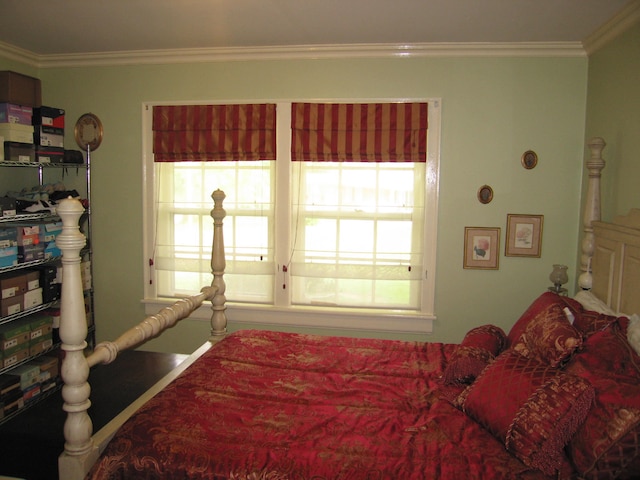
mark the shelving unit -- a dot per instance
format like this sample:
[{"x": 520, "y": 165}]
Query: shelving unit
[{"x": 76, "y": 177}]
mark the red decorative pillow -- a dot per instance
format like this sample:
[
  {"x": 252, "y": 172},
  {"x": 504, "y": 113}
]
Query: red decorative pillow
[
  {"x": 607, "y": 445},
  {"x": 549, "y": 337},
  {"x": 589, "y": 322},
  {"x": 539, "y": 304},
  {"x": 478, "y": 347},
  {"x": 533, "y": 408}
]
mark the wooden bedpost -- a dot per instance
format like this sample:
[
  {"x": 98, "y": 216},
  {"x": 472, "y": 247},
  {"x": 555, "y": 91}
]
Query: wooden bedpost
[
  {"x": 73, "y": 333},
  {"x": 595, "y": 163},
  {"x": 218, "y": 264}
]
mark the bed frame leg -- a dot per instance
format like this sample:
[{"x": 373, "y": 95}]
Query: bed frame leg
[
  {"x": 594, "y": 164},
  {"x": 218, "y": 264}
]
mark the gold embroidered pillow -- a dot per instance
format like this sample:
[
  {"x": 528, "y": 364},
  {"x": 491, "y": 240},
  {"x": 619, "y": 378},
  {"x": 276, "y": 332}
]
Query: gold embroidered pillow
[
  {"x": 479, "y": 346},
  {"x": 549, "y": 337},
  {"x": 530, "y": 406}
]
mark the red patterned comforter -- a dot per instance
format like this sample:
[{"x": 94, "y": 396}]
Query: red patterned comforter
[{"x": 273, "y": 406}]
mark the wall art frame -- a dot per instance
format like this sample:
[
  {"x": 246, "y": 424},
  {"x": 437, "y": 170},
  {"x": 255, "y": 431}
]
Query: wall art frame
[
  {"x": 481, "y": 248},
  {"x": 524, "y": 235}
]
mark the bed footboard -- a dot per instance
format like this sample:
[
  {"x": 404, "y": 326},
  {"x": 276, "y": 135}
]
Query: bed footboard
[{"x": 81, "y": 448}]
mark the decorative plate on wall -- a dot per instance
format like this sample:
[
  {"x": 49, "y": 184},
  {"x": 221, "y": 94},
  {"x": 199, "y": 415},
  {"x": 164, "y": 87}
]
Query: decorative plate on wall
[{"x": 88, "y": 132}]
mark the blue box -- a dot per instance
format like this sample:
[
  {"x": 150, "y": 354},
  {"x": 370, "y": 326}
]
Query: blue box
[{"x": 8, "y": 256}]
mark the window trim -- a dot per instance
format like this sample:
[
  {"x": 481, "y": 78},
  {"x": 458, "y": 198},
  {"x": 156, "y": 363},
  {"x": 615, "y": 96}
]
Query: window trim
[{"x": 283, "y": 314}]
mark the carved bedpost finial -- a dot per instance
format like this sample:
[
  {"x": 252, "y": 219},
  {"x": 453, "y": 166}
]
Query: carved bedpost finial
[
  {"x": 218, "y": 264},
  {"x": 595, "y": 163}
]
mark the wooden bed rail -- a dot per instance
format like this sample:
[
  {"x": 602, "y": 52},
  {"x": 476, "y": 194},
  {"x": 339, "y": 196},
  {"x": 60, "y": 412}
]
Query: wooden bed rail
[{"x": 81, "y": 449}]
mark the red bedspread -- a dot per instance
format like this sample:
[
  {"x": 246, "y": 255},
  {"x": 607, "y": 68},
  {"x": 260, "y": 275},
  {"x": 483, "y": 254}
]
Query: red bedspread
[{"x": 265, "y": 406}]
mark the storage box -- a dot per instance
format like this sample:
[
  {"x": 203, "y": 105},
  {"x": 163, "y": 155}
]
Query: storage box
[
  {"x": 15, "y": 355},
  {"x": 49, "y": 116},
  {"x": 14, "y": 334},
  {"x": 8, "y": 383},
  {"x": 8, "y": 237},
  {"x": 12, "y": 284},
  {"x": 33, "y": 279},
  {"x": 48, "y": 136},
  {"x": 40, "y": 345},
  {"x": 11, "y": 306},
  {"x": 7, "y": 207},
  {"x": 15, "y": 132},
  {"x": 20, "y": 89},
  {"x": 28, "y": 235},
  {"x": 13, "y": 402},
  {"x": 10, "y": 113},
  {"x": 32, "y": 298},
  {"x": 41, "y": 326},
  {"x": 48, "y": 364},
  {"x": 30, "y": 253},
  {"x": 31, "y": 393},
  {"x": 19, "y": 152},
  {"x": 49, "y": 154},
  {"x": 29, "y": 375},
  {"x": 49, "y": 231},
  {"x": 8, "y": 256}
]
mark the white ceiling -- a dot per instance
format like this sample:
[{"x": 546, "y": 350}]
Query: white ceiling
[{"x": 58, "y": 27}]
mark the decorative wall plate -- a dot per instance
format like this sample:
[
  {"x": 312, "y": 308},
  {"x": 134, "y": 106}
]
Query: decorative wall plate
[
  {"x": 529, "y": 159},
  {"x": 485, "y": 194},
  {"x": 88, "y": 132}
]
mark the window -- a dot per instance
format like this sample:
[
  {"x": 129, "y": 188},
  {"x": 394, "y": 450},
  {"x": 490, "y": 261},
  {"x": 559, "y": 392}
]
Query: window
[{"x": 320, "y": 236}]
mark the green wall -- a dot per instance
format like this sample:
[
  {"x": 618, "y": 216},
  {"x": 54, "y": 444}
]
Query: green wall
[
  {"x": 493, "y": 109},
  {"x": 613, "y": 113}
]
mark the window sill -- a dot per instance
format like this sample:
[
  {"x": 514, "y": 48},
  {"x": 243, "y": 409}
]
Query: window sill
[{"x": 345, "y": 319}]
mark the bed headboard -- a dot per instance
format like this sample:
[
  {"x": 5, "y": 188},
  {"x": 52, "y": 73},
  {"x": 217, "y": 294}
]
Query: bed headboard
[{"x": 616, "y": 262}]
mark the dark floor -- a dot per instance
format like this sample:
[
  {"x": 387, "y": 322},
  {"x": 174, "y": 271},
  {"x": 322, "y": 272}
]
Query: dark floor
[{"x": 31, "y": 442}]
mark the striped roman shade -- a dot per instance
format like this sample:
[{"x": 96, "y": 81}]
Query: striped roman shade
[
  {"x": 214, "y": 132},
  {"x": 359, "y": 132}
]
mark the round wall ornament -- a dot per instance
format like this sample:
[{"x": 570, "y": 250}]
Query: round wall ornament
[
  {"x": 529, "y": 159},
  {"x": 88, "y": 132},
  {"x": 485, "y": 194}
]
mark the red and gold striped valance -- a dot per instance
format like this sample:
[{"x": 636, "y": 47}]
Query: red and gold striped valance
[
  {"x": 359, "y": 132},
  {"x": 214, "y": 132}
]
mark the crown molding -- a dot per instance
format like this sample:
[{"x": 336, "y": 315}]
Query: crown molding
[
  {"x": 619, "y": 23},
  {"x": 201, "y": 55}
]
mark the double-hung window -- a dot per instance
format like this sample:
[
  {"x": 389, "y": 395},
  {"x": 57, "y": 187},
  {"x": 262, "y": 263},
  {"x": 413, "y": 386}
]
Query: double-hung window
[{"x": 331, "y": 207}]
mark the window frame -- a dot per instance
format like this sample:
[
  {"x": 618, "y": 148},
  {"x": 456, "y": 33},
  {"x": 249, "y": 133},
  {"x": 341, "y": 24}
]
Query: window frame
[{"x": 283, "y": 313}]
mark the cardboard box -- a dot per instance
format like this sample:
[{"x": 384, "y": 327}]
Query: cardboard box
[
  {"x": 15, "y": 355},
  {"x": 30, "y": 394},
  {"x": 28, "y": 235},
  {"x": 30, "y": 253},
  {"x": 51, "y": 250},
  {"x": 12, "y": 284},
  {"x": 11, "y": 306},
  {"x": 49, "y": 116},
  {"x": 13, "y": 402},
  {"x": 20, "y": 89},
  {"x": 32, "y": 278},
  {"x": 8, "y": 383},
  {"x": 8, "y": 256},
  {"x": 29, "y": 375},
  {"x": 48, "y": 364},
  {"x": 10, "y": 113},
  {"x": 48, "y": 136},
  {"x": 19, "y": 152},
  {"x": 48, "y": 232},
  {"x": 32, "y": 298},
  {"x": 8, "y": 237},
  {"x": 41, "y": 326},
  {"x": 7, "y": 207},
  {"x": 41, "y": 345},
  {"x": 16, "y": 132},
  {"x": 14, "y": 334},
  {"x": 46, "y": 154}
]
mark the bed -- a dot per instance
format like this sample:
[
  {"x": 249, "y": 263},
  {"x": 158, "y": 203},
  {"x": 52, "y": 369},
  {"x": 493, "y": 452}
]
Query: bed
[{"x": 557, "y": 396}]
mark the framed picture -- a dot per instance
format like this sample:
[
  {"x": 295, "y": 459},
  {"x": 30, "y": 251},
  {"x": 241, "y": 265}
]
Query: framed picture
[
  {"x": 481, "y": 247},
  {"x": 524, "y": 235}
]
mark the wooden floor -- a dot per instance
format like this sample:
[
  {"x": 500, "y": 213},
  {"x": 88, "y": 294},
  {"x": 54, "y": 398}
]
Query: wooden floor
[{"x": 31, "y": 442}]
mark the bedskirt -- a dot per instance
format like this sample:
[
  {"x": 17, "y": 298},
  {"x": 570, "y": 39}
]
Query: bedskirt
[{"x": 268, "y": 405}]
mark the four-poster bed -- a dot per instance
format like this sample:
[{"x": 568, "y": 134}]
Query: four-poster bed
[{"x": 268, "y": 405}]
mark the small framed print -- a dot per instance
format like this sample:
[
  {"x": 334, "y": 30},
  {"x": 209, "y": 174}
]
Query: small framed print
[
  {"x": 529, "y": 159},
  {"x": 485, "y": 194},
  {"x": 524, "y": 235},
  {"x": 481, "y": 248}
]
